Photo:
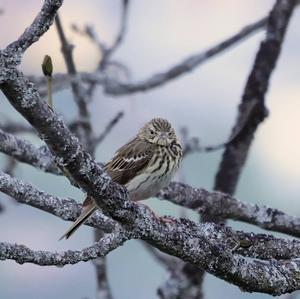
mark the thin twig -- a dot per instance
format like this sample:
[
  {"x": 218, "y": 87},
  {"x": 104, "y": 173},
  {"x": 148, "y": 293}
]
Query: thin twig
[
  {"x": 116, "y": 88},
  {"x": 77, "y": 88},
  {"x": 119, "y": 38},
  {"x": 113, "y": 122},
  {"x": 186, "y": 66},
  {"x": 166, "y": 260}
]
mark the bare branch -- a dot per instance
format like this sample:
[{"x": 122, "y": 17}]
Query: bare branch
[
  {"x": 225, "y": 206},
  {"x": 121, "y": 34},
  {"x": 192, "y": 144},
  {"x": 178, "y": 283},
  {"x": 252, "y": 112},
  {"x": 103, "y": 288},
  {"x": 25, "y": 152},
  {"x": 109, "y": 127},
  {"x": 89, "y": 31},
  {"x": 106, "y": 51},
  {"x": 166, "y": 260},
  {"x": 116, "y": 88},
  {"x": 206, "y": 245},
  {"x": 65, "y": 208},
  {"x": 14, "y": 127},
  {"x": 39, "y": 26},
  {"x": 78, "y": 89},
  {"x": 203, "y": 245},
  {"x": 10, "y": 166},
  {"x": 22, "y": 254}
]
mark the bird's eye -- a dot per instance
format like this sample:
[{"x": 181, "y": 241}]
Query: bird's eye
[{"x": 151, "y": 132}]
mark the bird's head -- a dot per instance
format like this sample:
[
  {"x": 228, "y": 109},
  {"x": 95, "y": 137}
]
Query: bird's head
[{"x": 158, "y": 131}]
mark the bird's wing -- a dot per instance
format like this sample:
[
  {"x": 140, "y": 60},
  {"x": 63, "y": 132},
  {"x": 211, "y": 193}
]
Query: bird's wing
[{"x": 129, "y": 160}]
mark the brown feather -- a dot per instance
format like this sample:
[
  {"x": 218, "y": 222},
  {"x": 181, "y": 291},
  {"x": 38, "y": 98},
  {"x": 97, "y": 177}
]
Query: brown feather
[
  {"x": 83, "y": 217},
  {"x": 130, "y": 160}
]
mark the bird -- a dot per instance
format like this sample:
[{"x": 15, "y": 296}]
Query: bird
[{"x": 144, "y": 165}]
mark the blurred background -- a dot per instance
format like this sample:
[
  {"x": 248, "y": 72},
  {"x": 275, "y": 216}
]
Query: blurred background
[{"x": 160, "y": 34}]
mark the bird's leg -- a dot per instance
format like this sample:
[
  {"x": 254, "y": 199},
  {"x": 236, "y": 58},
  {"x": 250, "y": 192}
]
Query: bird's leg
[{"x": 164, "y": 219}]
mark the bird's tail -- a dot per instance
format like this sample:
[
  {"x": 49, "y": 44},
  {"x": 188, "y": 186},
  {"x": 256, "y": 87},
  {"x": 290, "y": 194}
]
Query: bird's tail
[{"x": 86, "y": 213}]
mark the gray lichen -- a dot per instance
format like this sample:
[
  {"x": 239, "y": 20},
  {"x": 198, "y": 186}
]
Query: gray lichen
[{"x": 235, "y": 257}]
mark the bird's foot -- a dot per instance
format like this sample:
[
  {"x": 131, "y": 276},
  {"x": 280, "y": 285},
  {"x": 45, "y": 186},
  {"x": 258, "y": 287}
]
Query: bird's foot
[{"x": 164, "y": 219}]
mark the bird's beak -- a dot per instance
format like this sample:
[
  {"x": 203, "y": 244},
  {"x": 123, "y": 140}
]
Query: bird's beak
[
  {"x": 164, "y": 138},
  {"x": 163, "y": 135}
]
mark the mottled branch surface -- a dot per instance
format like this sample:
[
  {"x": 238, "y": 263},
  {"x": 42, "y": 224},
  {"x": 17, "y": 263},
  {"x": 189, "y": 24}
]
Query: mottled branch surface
[
  {"x": 205, "y": 245},
  {"x": 253, "y": 262},
  {"x": 23, "y": 151},
  {"x": 225, "y": 206},
  {"x": 198, "y": 199},
  {"x": 22, "y": 254},
  {"x": 65, "y": 208},
  {"x": 252, "y": 112},
  {"x": 181, "y": 239},
  {"x": 39, "y": 26},
  {"x": 84, "y": 131}
]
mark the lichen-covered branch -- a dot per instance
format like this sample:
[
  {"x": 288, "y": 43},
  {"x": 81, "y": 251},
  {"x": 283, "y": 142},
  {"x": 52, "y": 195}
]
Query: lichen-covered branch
[
  {"x": 225, "y": 206},
  {"x": 85, "y": 134},
  {"x": 200, "y": 244},
  {"x": 217, "y": 249},
  {"x": 247, "y": 244},
  {"x": 15, "y": 127},
  {"x": 69, "y": 209},
  {"x": 22, "y": 254},
  {"x": 231, "y": 256},
  {"x": 24, "y": 151},
  {"x": 252, "y": 112},
  {"x": 39, "y": 26},
  {"x": 65, "y": 208}
]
